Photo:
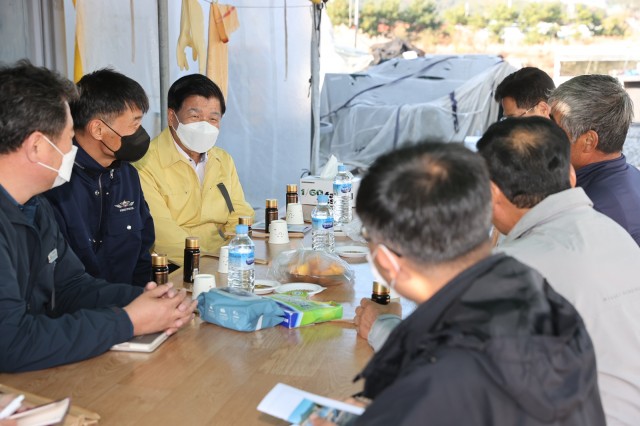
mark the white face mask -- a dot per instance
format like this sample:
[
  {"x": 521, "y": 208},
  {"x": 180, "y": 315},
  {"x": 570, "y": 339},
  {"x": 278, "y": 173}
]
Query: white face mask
[
  {"x": 377, "y": 276},
  {"x": 199, "y": 137},
  {"x": 66, "y": 167}
]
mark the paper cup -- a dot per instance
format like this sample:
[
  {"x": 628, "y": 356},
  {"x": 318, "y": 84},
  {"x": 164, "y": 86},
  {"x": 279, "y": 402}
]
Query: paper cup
[
  {"x": 202, "y": 283},
  {"x": 278, "y": 232},
  {"x": 294, "y": 214},
  {"x": 223, "y": 260}
]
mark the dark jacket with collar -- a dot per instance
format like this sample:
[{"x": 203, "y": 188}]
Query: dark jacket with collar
[
  {"x": 51, "y": 311},
  {"x": 495, "y": 346},
  {"x": 105, "y": 218},
  {"x": 614, "y": 188}
]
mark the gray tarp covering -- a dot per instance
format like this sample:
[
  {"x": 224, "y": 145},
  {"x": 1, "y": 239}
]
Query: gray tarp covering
[{"x": 399, "y": 102}]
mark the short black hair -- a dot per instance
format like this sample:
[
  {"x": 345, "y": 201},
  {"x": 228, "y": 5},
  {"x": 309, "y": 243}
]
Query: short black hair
[
  {"x": 527, "y": 86},
  {"x": 31, "y": 99},
  {"x": 429, "y": 202},
  {"x": 193, "y": 85},
  {"x": 106, "y": 94},
  {"x": 528, "y": 159}
]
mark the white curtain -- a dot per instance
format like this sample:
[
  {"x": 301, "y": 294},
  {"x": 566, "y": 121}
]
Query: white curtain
[{"x": 267, "y": 125}]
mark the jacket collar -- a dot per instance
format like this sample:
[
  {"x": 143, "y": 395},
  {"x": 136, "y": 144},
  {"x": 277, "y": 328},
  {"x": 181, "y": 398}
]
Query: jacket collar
[
  {"x": 16, "y": 212},
  {"x": 87, "y": 164},
  {"x": 586, "y": 173},
  {"x": 554, "y": 205}
]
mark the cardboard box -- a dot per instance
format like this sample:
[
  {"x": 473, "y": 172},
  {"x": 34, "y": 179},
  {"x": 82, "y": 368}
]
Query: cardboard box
[
  {"x": 312, "y": 186},
  {"x": 299, "y": 312}
]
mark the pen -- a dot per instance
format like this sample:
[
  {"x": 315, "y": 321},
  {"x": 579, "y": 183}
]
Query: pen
[{"x": 12, "y": 407}]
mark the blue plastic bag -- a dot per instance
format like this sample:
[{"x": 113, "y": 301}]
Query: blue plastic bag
[{"x": 238, "y": 309}]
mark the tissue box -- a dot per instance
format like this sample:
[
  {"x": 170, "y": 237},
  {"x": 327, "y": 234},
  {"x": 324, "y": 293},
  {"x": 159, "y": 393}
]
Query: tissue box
[
  {"x": 299, "y": 312},
  {"x": 312, "y": 186}
]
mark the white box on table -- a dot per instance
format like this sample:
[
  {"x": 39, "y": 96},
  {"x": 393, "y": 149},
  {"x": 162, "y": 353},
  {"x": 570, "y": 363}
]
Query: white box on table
[{"x": 312, "y": 186}]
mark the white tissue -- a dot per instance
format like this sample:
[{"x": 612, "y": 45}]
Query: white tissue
[{"x": 330, "y": 169}]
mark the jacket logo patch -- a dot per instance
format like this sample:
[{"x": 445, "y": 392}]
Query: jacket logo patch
[{"x": 125, "y": 205}]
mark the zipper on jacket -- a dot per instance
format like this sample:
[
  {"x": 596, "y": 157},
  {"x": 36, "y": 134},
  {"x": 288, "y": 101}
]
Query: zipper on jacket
[
  {"x": 53, "y": 288},
  {"x": 96, "y": 244},
  {"x": 33, "y": 277}
]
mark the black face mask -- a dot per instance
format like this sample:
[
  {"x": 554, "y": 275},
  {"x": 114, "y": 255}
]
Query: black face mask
[{"x": 132, "y": 147}]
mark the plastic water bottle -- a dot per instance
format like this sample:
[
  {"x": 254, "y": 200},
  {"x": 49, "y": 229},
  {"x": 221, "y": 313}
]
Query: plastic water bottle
[
  {"x": 322, "y": 237},
  {"x": 241, "y": 260},
  {"x": 342, "y": 201}
]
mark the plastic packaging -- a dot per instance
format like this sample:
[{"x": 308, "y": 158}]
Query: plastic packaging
[
  {"x": 241, "y": 260},
  {"x": 299, "y": 312},
  {"x": 322, "y": 234},
  {"x": 311, "y": 266},
  {"x": 238, "y": 309},
  {"x": 342, "y": 196}
]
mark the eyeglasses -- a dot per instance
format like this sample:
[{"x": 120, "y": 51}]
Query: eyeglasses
[
  {"x": 365, "y": 236},
  {"x": 504, "y": 117}
]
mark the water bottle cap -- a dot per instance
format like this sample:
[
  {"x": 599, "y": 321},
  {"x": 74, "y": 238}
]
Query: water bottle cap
[
  {"x": 323, "y": 198},
  {"x": 242, "y": 229},
  {"x": 342, "y": 168}
]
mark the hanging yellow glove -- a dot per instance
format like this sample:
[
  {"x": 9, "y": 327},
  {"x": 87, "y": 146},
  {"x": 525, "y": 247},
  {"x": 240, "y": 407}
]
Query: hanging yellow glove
[
  {"x": 223, "y": 20},
  {"x": 191, "y": 35}
]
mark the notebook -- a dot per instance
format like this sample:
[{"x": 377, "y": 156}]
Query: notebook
[{"x": 144, "y": 343}]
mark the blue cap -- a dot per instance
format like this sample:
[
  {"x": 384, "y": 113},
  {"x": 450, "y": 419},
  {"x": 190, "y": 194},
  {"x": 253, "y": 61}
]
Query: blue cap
[
  {"x": 323, "y": 198},
  {"x": 342, "y": 168},
  {"x": 242, "y": 229}
]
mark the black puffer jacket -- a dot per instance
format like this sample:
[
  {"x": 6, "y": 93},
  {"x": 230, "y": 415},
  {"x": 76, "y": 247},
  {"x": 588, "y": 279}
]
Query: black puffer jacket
[
  {"x": 51, "y": 311},
  {"x": 496, "y": 346}
]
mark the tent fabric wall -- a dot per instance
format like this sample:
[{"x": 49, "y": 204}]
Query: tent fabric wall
[
  {"x": 266, "y": 128},
  {"x": 108, "y": 43},
  {"x": 33, "y": 30}
]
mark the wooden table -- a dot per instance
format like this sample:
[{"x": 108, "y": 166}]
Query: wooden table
[{"x": 208, "y": 375}]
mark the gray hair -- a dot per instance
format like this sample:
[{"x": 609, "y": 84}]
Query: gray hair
[{"x": 594, "y": 102}]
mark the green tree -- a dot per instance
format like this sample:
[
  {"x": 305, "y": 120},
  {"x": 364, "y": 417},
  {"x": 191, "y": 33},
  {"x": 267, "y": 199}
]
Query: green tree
[
  {"x": 532, "y": 14},
  {"x": 478, "y": 21},
  {"x": 591, "y": 17},
  {"x": 501, "y": 16},
  {"x": 456, "y": 15},
  {"x": 420, "y": 15},
  {"x": 338, "y": 11},
  {"x": 379, "y": 16},
  {"x": 614, "y": 26}
]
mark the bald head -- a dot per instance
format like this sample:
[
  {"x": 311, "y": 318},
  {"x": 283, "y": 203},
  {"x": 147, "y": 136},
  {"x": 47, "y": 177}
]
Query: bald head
[{"x": 528, "y": 159}]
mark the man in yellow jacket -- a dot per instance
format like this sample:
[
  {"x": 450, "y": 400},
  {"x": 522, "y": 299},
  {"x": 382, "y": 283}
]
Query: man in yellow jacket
[{"x": 191, "y": 186}]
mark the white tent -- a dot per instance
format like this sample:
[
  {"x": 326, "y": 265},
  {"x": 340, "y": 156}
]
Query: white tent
[{"x": 267, "y": 126}]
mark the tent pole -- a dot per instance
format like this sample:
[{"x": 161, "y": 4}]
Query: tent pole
[
  {"x": 163, "y": 52},
  {"x": 315, "y": 89}
]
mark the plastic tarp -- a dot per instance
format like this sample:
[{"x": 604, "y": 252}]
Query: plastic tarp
[{"x": 435, "y": 98}]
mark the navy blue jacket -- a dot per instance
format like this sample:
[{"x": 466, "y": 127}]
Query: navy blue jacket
[
  {"x": 51, "y": 311},
  {"x": 496, "y": 346},
  {"x": 614, "y": 188},
  {"x": 104, "y": 217}
]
